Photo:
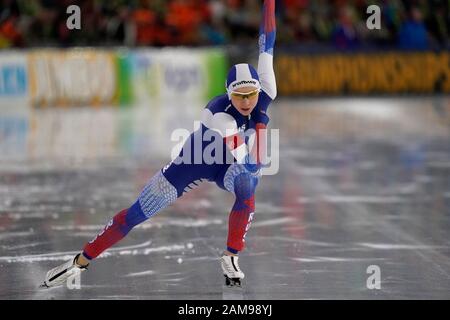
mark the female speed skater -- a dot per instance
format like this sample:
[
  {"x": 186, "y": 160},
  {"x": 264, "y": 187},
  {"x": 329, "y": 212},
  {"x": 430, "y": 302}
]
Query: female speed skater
[{"x": 230, "y": 116}]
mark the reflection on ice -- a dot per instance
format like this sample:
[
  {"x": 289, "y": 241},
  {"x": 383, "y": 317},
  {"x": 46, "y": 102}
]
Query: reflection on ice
[{"x": 356, "y": 187}]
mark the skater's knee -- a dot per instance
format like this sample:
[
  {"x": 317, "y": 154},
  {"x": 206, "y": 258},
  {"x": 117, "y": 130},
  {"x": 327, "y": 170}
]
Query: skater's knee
[
  {"x": 135, "y": 215},
  {"x": 244, "y": 186},
  {"x": 127, "y": 219}
]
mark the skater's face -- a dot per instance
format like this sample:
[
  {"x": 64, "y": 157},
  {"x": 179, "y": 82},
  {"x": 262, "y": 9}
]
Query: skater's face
[{"x": 245, "y": 99}]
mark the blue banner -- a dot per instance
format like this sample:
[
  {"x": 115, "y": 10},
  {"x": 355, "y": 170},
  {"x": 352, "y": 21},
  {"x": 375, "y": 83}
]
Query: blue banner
[{"x": 13, "y": 80}]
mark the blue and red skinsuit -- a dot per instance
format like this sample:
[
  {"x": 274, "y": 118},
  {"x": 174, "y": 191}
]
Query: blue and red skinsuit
[{"x": 172, "y": 181}]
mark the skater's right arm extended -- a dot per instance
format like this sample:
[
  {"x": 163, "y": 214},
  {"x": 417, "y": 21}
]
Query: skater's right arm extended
[{"x": 267, "y": 35}]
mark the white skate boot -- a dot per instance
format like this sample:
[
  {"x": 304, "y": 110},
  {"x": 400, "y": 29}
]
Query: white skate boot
[
  {"x": 231, "y": 271},
  {"x": 59, "y": 275}
]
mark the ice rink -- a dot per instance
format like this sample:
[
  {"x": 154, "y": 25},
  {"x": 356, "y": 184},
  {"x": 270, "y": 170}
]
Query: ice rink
[{"x": 362, "y": 182}]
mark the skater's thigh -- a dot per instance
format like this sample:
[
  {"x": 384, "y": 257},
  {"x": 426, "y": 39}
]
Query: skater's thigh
[
  {"x": 172, "y": 182},
  {"x": 185, "y": 177}
]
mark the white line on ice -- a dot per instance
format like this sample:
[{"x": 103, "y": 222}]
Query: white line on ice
[
  {"x": 171, "y": 279},
  {"x": 362, "y": 199},
  {"x": 147, "y": 251},
  {"x": 32, "y": 215},
  {"x": 392, "y": 246},
  {"x": 316, "y": 171},
  {"x": 296, "y": 240},
  {"x": 7, "y": 235},
  {"x": 332, "y": 259},
  {"x": 61, "y": 255},
  {"x": 158, "y": 223},
  {"x": 205, "y": 258},
  {"x": 83, "y": 234},
  {"x": 272, "y": 222},
  {"x": 353, "y": 199},
  {"x": 180, "y": 223},
  {"x": 21, "y": 246},
  {"x": 116, "y": 297},
  {"x": 138, "y": 274},
  {"x": 90, "y": 227},
  {"x": 306, "y": 200},
  {"x": 264, "y": 207}
]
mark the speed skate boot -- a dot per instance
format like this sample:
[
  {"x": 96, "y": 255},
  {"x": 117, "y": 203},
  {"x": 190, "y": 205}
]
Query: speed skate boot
[
  {"x": 231, "y": 271},
  {"x": 59, "y": 275}
]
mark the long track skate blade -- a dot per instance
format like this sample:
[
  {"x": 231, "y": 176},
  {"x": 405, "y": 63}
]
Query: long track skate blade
[
  {"x": 43, "y": 286},
  {"x": 233, "y": 282}
]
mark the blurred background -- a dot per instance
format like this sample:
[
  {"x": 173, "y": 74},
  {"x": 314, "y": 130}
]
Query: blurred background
[
  {"x": 339, "y": 24},
  {"x": 86, "y": 118}
]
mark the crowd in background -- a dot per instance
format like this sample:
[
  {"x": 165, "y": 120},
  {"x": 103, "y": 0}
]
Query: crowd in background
[{"x": 408, "y": 24}]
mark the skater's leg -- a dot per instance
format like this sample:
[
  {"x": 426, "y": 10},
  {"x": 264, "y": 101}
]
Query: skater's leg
[
  {"x": 157, "y": 194},
  {"x": 116, "y": 229},
  {"x": 242, "y": 212},
  {"x": 161, "y": 191},
  {"x": 243, "y": 184}
]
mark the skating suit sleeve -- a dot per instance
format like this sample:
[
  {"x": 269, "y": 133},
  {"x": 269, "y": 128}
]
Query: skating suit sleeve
[
  {"x": 267, "y": 35},
  {"x": 260, "y": 118}
]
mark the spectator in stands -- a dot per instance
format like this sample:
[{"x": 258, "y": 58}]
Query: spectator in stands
[
  {"x": 438, "y": 22},
  {"x": 115, "y": 23},
  {"x": 217, "y": 22},
  {"x": 344, "y": 35},
  {"x": 241, "y": 19},
  {"x": 10, "y": 34},
  {"x": 144, "y": 20},
  {"x": 213, "y": 29},
  {"x": 413, "y": 34}
]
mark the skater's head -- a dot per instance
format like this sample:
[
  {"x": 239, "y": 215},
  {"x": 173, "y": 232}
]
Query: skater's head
[{"x": 243, "y": 87}]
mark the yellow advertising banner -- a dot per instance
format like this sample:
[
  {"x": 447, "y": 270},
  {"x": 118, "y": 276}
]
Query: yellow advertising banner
[{"x": 368, "y": 73}]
